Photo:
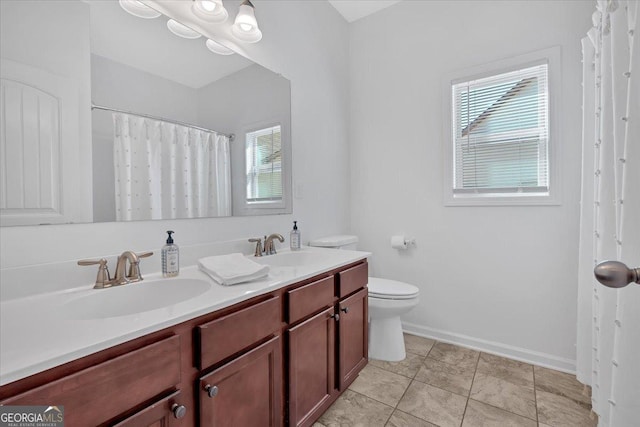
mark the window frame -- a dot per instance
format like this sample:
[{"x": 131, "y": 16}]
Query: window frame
[
  {"x": 241, "y": 205},
  {"x": 550, "y": 56},
  {"x": 266, "y": 203}
]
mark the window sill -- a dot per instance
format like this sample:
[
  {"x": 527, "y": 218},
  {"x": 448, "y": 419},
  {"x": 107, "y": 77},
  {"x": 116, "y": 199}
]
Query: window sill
[{"x": 489, "y": 199}]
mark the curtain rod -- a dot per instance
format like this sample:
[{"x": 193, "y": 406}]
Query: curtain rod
[{"x": 231, "y": 136}]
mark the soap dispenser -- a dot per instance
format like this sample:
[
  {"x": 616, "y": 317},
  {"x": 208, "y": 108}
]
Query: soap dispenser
[
  {"x": 294, "y": 237},
  {"x": 170, "y": 257}
]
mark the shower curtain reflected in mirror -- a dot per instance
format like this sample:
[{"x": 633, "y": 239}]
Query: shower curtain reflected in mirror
[{"x": 167, "y": 171}]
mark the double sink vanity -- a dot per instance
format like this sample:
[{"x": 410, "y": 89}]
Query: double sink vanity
[{"x": 186, "y": 351}]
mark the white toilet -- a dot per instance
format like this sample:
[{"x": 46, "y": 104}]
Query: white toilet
[{"x": 388, "y": 300}]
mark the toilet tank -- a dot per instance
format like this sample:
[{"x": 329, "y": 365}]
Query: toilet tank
[{"x": 343, "y": 241}]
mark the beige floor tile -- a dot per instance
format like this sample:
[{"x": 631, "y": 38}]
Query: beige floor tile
[
  {"x": 454, "y": 355},
  {"x": 507, "y": 369},
  {"x": 381, "y": 385},
  {"x": 556, "y": 410},
  {"x": 356, "y": 410},
  {"x": 317, "y": 424},
  {"x": 479, "y": 414},
  {"x": 543, "y": 425},
  {"x": 454, "y": 378},
  {"x": 407, "y": 367},
  {"x": 402, "y": 419},
  {"x": 432, "y": 404},
  {"x": 417, "y": 345},
  {"x": 515, "y": 398},
  {"x": 563, "y": 384}
]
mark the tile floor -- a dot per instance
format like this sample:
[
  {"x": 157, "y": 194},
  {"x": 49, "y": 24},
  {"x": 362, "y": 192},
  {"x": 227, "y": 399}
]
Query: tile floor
[{"x": 445, "y": 385}]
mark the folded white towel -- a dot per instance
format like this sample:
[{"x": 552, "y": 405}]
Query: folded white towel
[{"x": 232, "y": 269}]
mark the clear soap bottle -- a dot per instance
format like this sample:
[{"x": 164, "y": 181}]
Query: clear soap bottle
[
  {"x": 170, "y": 257},
  {"x": 294, "y": 237}
]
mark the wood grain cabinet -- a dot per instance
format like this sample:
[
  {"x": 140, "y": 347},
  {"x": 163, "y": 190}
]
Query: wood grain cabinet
[
  {"x": 327, "y": 350},
  {"x": 246, "y": 391},
  {"x": 277, "y": 359}
]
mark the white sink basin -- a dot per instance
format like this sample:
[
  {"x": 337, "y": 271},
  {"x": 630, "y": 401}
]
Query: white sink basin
[
  {"x": 291, "y": 259},
  {"x": 134, "y": 298}
]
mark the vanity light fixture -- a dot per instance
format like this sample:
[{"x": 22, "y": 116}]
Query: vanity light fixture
[
  {"x": 216, "y": 47},
  {"x": 245, "y": 27},
  {"x": 182, "y": 30},
  {"x": 139, "y": 9},
  {"x": 210, "y": 10}
]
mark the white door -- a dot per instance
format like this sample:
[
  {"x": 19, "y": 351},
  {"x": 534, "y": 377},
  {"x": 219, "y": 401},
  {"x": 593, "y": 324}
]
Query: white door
[
  {"x": 608, "y": 348},
  {"x": 39, "y": 151}
]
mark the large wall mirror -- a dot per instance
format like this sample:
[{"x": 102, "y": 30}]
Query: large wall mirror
[{"x": 109, "y": 117}]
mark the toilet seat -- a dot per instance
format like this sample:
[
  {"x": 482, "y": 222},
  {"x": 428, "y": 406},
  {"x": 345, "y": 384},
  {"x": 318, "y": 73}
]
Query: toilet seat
[{"x": 391, "y": 289}]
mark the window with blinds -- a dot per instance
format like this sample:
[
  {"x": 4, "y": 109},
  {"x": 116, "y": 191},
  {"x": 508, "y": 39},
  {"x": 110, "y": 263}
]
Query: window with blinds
[
  {"x": 264, "y": 165},
  {"x": 501, "y": 134}
]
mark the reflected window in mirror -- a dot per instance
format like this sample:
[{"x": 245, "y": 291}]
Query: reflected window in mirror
[{"x": 264, "y": 167}]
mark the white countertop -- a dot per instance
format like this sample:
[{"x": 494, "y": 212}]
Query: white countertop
[{"x": 38, "y": 332}]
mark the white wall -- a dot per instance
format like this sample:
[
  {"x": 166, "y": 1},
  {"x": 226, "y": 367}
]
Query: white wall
[
  {"x": 502, "y": 279},
  {"x": 315, "y": 60}
]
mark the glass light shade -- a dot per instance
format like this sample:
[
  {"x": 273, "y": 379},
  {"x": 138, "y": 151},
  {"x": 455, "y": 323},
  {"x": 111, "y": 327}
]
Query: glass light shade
[
  {"x": 135, "y": 8},
  {"x": 210, "y": 10},
  {"x": 181, "y": 30},
  {"x": 216, "y": 47},
  {"x": 245, "y": 27}
]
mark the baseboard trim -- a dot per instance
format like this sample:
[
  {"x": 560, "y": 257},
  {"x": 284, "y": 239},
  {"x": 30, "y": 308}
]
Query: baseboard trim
[{"x": 535, "y": 358}]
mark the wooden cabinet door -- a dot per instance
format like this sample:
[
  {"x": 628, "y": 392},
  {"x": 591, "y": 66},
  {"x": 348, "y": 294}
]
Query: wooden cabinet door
[
  {"x": 246, "y": 391},
  {"x": 352, "y": 337},
  {"x": 311, "y": 368},
  {"x": 166, "y": 412}
]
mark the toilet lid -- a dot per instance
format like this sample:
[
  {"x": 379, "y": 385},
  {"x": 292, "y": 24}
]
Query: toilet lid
[{"x": 391, "y": 289}]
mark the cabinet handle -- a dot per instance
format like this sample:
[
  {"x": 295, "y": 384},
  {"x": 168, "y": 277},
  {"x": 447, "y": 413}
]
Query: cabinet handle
[
  {"x": 335, "y": 316},
  {"x": 345, "y": 310},
  {"x": 212, "y": 390},
  {"x": 179, "y": 411}
]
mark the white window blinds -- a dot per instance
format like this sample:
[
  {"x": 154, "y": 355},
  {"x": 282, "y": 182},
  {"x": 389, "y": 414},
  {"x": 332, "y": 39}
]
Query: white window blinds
[
  {"x": 501, "y": 133},
  {"x": 264, "y": 165}
]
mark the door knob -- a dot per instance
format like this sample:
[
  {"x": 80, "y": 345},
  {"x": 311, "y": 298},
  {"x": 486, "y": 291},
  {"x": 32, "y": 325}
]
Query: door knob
[
  {"x": 335, "y": 316},
  {"x": 212, "y": 390},
  {"x": 616, "y": 274},
  {"x": 179, "y": 411},
  {"x": 345, "y": 310}
]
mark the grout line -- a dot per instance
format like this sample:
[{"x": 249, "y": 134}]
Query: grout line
[
  {"x": 466, "y": 405},
  {"x": 535, "y": 393}
]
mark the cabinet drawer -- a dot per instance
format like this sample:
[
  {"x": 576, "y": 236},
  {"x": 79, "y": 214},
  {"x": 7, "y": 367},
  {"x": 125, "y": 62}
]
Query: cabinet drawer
[
  {"x": 309, "y": 299},
  {"x": 237, "y": 331},
  {"x": 353, "y": 279},
  {"x": 98, "y": 394},
  {"x": 161, "y": 413}
]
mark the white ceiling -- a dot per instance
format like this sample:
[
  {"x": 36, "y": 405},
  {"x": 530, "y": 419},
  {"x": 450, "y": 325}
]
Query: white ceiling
[{"x": 352, "y": 10}]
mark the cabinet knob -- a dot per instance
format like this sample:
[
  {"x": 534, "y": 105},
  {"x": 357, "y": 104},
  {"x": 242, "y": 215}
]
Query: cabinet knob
[
  {"x": 345, "y": 309},
  {"x": 179, "y": 411},
  {"x": 336, "y": 316},
  {"x": 212, "y": 390}
]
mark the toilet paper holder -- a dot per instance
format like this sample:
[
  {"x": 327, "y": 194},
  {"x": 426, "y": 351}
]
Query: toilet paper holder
[{"x": 400, "y": 241}]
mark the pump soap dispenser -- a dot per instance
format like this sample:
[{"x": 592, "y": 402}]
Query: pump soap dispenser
[
  {"x": 294, "y": 237},
  {"x": 170, "y": 257}
]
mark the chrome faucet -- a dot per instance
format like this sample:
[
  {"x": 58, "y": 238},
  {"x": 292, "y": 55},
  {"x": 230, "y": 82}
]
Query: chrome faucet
[
  {"x": 269, "y": 247},
  {"x": 104, "y": 280}
]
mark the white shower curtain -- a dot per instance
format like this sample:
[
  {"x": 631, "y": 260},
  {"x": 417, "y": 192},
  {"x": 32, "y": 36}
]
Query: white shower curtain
[
  {"x": 608, "y": 347},
  {"x": 164, "y": 170}
]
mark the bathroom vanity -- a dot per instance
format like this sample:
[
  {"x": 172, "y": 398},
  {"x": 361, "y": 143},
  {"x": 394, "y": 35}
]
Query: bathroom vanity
[{"x": 274, "y": 352}]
